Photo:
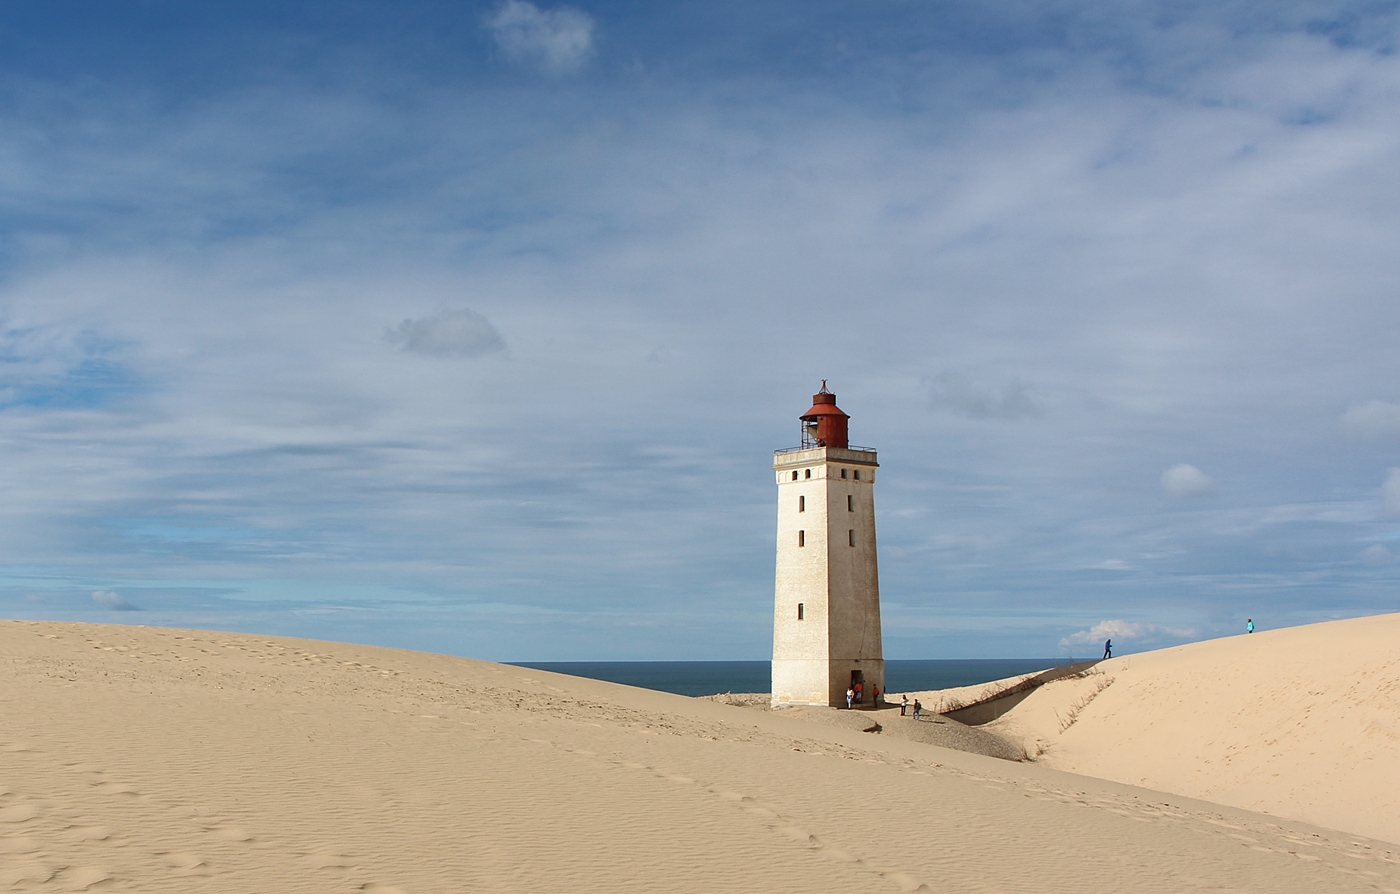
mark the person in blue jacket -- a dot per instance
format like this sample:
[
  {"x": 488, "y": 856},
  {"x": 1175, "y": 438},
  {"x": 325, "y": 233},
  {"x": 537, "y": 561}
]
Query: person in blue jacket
[
  {"x": 1249, "y": 626},
  {"x": 1108, "y": 648}
]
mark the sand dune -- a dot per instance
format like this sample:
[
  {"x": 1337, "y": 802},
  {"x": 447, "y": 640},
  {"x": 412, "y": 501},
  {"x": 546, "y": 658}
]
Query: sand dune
[
  {"x": 1302, "y": 723},
  {"x": 141, "y": 759}
]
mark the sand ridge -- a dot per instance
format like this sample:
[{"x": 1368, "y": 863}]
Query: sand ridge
[
  {"x": 143, "y": 759},
  {"x": 1302, "y": 722}
]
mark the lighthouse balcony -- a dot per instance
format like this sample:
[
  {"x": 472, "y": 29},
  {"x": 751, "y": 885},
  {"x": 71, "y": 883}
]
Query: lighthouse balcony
[{"x": 865, "y": 456}]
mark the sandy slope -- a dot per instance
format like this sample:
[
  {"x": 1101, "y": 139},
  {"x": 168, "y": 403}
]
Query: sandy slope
[
  {"x": 1302, "y": 722},
  {"x": 136, "y": 759}
]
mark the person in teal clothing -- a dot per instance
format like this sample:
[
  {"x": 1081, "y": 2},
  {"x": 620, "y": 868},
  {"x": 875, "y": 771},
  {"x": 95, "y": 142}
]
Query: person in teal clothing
[{"x": 1249, "y": 625}]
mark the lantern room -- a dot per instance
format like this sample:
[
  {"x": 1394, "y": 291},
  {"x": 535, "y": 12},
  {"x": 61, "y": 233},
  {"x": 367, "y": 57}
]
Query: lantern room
[{"x": 825, "y": 425}]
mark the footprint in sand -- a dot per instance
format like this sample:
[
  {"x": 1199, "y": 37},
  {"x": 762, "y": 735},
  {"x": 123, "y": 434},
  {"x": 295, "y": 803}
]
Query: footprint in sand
[
  {"x": 35, "y": 872},
  {"x": 116, "y": 788},
  {"x": 187, "y": 864},
  {"x": 87, "y": 833},
  {"x": 327, "y": 860},
  {"x": 18, "y": 844},
  {"x": 907, "y": 883},
  {"x": 230, "y": 833},
  {"x": 81, "y": 878},
  {"x": 18, "y": 813}
]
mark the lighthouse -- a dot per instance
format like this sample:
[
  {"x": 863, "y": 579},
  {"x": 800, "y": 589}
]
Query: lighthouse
[{"x": 826, "y": 595}]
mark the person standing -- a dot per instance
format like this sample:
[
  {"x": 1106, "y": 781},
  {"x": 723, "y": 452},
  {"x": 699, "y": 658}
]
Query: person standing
[
  {"x": 1249, "y": 626},
  {"x": 918, "y": 709},
  {"x": 860, "y": 692},
  {"x": 850, "y": 696},
  {"x": 903, "y": 704},
  {"x": 1108, "y": 648}
]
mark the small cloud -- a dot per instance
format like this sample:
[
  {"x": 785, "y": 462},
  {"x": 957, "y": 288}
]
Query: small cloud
[
  {"x": 958, "y": 394},
  {"x": 1373, "y": 420},
  {"x": 1120, "y": 630},
  {"x": 1377, "y": 555},
  {"x": 558, "y": 41},
  {"x": 1390, "y": 492},
  {"x": 1183, "y": 480},
  {"x": 112, "y": 602},
  {"x": 448, "y": 333},
  {"x": 1113, "y": 565}
]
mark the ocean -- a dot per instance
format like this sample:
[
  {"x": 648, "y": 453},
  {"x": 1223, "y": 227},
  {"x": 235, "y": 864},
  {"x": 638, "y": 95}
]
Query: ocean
[{"x": 713, "y": 677}]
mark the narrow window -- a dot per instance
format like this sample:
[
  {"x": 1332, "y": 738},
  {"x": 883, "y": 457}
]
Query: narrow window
[
  {"x": 851, "y": 536},
  {"x": 801, "y": 538},
  {"x": 857, "y": 474},
  {"x": 808, "y": 475},
  {"x": 801, "y": 504},
  {"x": 843, "y": 473},
  {"x": 799, "y": 611},
  {"x": 850, "y": 503},
  {"x": 794, "y": 476}
]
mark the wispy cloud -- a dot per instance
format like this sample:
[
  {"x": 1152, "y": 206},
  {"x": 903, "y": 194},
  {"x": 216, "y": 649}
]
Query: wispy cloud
[
  {"x": 958, "y": 393},
  {"x": 1373, "y": 419},
  {"x": 1390, "y": 492},
  {"x": 1377, "y": 554},
  {"x": 1184, "y": 480},
  {"x": 448, "y": 333},
  {"x": 557, "y": 41}
]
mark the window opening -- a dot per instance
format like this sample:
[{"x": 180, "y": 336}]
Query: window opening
[
  {"x": 857, "y": 474},
  {"x": 799, "y": 611},
  {"x": 851, "y": 536},
  {"x": 801, "y": 504},
  {"x": 801, "y": 538},
  {"x": 808, "y": 475},
  {"x": 843, "y": 473},
  {"x": 794, "y": 476},
  {"x": 850, "y": 503}
]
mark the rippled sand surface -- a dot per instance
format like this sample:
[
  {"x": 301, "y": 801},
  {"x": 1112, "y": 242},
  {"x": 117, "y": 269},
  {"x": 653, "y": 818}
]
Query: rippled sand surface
[{"x": 146, "y": 759}]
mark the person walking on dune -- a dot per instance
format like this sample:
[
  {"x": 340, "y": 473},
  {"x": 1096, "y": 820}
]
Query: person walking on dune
[
  {"x": 1249, "y": 626},
  {"x": 918, "y": 709},
  {"x": 1108, "y": 648}
]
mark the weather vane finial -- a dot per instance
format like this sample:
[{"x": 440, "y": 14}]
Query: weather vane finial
[{"x": 823, "y": 391}]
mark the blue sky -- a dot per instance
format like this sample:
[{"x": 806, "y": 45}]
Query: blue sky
[{"x": 472, "y": 327}]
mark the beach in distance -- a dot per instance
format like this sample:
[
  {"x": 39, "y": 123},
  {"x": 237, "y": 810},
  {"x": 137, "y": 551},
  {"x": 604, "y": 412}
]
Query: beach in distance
[{"x": 150, "y": 759}]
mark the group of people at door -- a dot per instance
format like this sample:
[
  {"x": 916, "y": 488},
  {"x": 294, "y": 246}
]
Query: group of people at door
[{"x": 855, "y": 694}]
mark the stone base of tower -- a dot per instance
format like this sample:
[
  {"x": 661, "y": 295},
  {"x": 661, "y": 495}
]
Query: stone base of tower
[
  {"x": 802, "y": 682},
  {"x": 824, "y": 683}
]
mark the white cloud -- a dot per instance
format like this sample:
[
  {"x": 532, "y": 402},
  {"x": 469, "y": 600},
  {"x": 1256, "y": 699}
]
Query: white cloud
[
  {"x": 1121, "y": 630},
  {"x": 1184, "y": 480},
  {"x": 959, "y": 394},
  {"x": 1390, "y": 492},
  {"x": 448, "y": 333},
  {"x": 557, "y": 40},
  {"x": 1373, "y": 419},
  {"x": 1377, "y": 554},
  {"x": 112, "y": 601}
]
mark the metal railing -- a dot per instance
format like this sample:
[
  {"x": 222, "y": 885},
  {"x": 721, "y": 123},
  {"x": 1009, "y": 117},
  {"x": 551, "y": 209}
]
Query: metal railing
[{"x": 814, "y": 447}]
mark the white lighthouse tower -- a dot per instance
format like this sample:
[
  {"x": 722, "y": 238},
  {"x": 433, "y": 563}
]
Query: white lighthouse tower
[{"x": 826, "y": 604}]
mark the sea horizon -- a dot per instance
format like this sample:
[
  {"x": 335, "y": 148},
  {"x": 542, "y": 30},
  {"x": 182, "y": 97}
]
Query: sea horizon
[{"x": 701, "y": 678}]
